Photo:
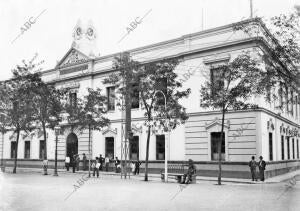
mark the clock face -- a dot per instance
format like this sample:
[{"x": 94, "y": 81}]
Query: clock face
[
  {"x": 78, "y": 31},
  {"x": 90, "y": 32}
]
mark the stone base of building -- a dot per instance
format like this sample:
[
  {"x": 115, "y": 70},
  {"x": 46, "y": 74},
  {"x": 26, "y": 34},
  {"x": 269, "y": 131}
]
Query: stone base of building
[{"x": 204, "y": 168}]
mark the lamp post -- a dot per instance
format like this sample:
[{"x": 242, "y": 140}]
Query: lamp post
[
  {"x": 166, "y": 143},
  {"x": 57, "y": 131}
]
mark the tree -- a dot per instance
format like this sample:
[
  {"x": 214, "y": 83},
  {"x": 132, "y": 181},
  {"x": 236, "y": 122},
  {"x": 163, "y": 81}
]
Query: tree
[
  {"x": 147, "y": 80},
  {"x": 46, "y": 104},
  {"x": 16, "y": 103},
  {"x": 230, "y": 87},
  {"x": 88, "y": 113},
  {"x": 160, "y": 77}
]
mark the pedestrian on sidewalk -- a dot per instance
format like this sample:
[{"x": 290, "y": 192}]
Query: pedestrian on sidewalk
[
  {"x": 132, "y": 166},
  {"x": 262, "y": 167},
  {"x": 84, "y": 162},
  {"x": 101, "y": 160},
  {"x": 117, "y": 165},
  {"x": 67, "y": 162},
  {"x": 95, "y": 167},
  {"x": 77, "y": 162},
  {"x": 252, "y": 165},
  {"x": 137, "y": 167},
  {"x": 45, "y": 165},
  {"x": 74, "y": 162},
  {"x": 106, "y": 162}
]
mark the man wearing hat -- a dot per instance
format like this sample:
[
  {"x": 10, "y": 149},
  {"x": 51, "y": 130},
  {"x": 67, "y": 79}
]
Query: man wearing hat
[
  {"x": 261, "y": 167},
  {"x": 191, "y": 171}
]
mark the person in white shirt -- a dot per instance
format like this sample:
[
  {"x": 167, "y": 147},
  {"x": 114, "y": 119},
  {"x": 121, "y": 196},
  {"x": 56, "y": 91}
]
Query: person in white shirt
[
  {"x": 67, "y": 162},
  {"x": 95, "y": 167}
]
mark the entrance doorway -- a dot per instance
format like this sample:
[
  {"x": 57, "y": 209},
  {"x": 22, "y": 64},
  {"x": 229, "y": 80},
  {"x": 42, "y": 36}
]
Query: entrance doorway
[
  {"x": 215, "y": 138},
  {"x": 72, "y": 145}
]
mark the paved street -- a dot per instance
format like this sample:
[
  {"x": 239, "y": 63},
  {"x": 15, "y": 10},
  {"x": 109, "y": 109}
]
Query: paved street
[{"x": 32, "y": 191}]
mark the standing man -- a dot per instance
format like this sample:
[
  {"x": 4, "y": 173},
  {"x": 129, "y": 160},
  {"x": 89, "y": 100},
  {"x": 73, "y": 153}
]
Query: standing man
[
  {"x": 252, "y": 165},
  {"x": 262, "y": 167},
  {"x": 67, "y": 162},
  {"x": 45, "y": 165},
  {"x": 101, "y": 162},
  {"x": 106, "y": 163},
  {"x": 137, "y": 167},
  {"x": 74, "y": 162},
  {"x": 84, "y": 161},
  {"x": 77, "y": 162},
  {"x": 117, "y": 165}
]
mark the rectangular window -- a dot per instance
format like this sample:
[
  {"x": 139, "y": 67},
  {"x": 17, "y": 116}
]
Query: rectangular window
[
  {"x": 293, "y": 148},
  {"x": 13, "y": 149},
  {"x": 270, "y": 146},
  {"x": 160, "y": 147},
  {"x": 161, "y": 85},
  {"x": 73, "y": 99},
  {"x": 288, "y": 147},
  {"x": 215, "y": 139},
  {"x": 27, "y": 150},
  {"x": 134, "y": 148},
  {"x": 217, "y": 80},
  {"x": 109, "y": 147},
  {"x": 42, "y": 149},
  {"x": 282, "y": 147},
  {"x": 135, "y": 103},
  {"x": 110, "y": 98}
]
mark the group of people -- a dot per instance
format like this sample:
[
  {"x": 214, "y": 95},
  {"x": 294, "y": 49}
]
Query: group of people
[
  {"x": 74, "y": 162},
  {"x": 261, "y": 164}
]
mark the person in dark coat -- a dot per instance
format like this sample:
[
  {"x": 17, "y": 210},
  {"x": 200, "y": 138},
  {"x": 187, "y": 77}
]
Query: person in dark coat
[
  {"x": 84, "y": 162},
  {"x": 77, "y": 162},
  {"x": 117, "y": 164},
  {"x": 137, "y": 167},
  {"x": 101, "y": 159},
  {"x": 189, "y": 175},
  {"x": 262, "y": 168},
  {"x": 252, "y": 165},
  {"x": 74, "y": 162}
]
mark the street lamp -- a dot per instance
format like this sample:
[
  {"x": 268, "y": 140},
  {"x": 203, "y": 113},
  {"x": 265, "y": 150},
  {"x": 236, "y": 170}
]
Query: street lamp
[
  {"x": 57, "y": 131},
  {"x": 166, "y": 144}
]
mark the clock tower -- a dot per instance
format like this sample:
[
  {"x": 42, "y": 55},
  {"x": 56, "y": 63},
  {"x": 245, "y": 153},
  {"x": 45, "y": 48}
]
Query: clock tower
[{"x": 84, "y": 38}]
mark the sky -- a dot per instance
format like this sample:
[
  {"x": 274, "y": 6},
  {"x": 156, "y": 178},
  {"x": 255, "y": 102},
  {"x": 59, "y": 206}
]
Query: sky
[{"x": 49, "y": 38}]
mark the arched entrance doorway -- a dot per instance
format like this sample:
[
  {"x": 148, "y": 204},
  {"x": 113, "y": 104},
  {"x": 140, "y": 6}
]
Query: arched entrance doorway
[{"x": 72, "y": 145}]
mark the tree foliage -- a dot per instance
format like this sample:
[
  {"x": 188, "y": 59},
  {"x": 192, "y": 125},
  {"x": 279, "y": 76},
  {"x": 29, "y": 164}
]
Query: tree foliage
[{"x": 152, "y": 81}]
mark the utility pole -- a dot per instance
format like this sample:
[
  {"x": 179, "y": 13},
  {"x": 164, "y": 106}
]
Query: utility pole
[{"x": 127, "y": 96}]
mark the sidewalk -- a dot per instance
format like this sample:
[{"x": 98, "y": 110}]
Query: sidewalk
[{"x": 157, "y": 177}]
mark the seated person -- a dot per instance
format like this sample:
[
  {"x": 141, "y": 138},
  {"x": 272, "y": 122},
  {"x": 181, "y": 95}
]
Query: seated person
[{"x": 191, "y": 171}]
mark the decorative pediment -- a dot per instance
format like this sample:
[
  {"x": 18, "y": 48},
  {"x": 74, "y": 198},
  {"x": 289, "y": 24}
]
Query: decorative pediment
[
  {"x": 217, "y": 124},
  {"x": 73, "y": 57},
  {"x": 110, "y": 131}
]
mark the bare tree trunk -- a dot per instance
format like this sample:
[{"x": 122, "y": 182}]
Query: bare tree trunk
[
  {"x": 220, "y": 147},
  {"x": 16, "y": 154},
  {"x": 147, "y": 154}
]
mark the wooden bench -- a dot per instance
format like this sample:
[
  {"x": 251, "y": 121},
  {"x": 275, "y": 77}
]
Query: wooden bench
[{"x": 177, "y": 171}]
